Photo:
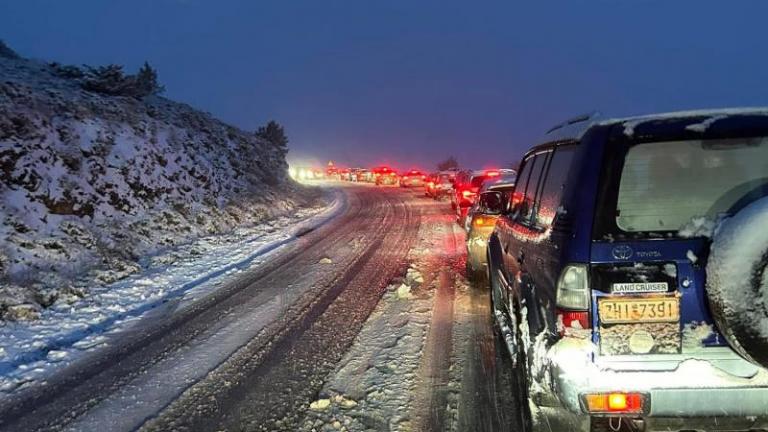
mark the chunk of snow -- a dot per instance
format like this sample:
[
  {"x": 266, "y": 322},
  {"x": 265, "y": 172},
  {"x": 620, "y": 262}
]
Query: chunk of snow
[
  {"x": 670, "y": 270},
  {"x": 703, "y": 126},
  {"x": 54, "y": 355},
  {"x": 404, "y": 292},
  {"x": 629, "y": 128},
  {"x": 699, "y": 226},
  {"x": 691, "y": 256},
  {"x": 320, "y": 405},
  {"x": 694, "y": 333},
  {"x": 413, "y": 276}
]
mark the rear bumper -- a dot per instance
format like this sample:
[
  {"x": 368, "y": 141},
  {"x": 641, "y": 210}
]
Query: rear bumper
[
  {"x": 694, "y": 391},
  {"x": 477, "y": 248},
  {"x": 476, "y": 253}
]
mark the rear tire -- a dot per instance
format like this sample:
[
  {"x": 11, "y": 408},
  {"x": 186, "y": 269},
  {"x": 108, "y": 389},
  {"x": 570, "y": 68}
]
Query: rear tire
[
  {"x": 520, "y": 372},
  {"x": 521, "y": 388}
]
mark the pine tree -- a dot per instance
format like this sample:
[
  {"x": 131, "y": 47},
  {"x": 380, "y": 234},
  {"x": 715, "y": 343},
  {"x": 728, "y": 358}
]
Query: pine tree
[
  {"x": 146, "y": 82},
  {"x": 450, "y": 163},
  {"x": 275, "y": 134}
]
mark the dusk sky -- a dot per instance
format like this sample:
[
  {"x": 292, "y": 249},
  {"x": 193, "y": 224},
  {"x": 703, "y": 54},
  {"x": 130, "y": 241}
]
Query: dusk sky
[{"x": 410, "y": 82}]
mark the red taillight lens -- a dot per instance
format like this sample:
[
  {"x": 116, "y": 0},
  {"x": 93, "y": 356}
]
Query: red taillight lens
[
  {"x": 468, "y": 194},
  {"x": 517, "y": 198},
  {"x": 573, "y": 319},
  {"x": 618, "y": 402}
]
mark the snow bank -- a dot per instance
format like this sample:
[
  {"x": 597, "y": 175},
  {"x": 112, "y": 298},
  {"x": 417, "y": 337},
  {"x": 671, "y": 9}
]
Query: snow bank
[
  {"x": 30, "y": 351},
  {"x": 93, "y": 186}
]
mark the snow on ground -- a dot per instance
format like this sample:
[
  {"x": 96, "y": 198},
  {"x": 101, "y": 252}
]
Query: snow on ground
[
  {"x": 374, "y": 386},
  {"x": 462, "y": 332},
  {"x": 31, "y": 350},
  {"x": 378, "y": 383},
  {"x": 91, "y": 183}
]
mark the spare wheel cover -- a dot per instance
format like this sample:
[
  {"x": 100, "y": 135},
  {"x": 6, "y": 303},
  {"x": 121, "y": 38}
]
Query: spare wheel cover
[{"x": 737, "y": 281}]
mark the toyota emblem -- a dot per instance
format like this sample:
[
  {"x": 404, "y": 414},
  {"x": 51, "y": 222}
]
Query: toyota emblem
[{"x": 622, "y": 252}]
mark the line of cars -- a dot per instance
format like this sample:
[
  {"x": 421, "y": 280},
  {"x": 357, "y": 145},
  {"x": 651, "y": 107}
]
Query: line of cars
[
  {"x": 627, "y": 265},
  {"x": 381, "y": 176}
]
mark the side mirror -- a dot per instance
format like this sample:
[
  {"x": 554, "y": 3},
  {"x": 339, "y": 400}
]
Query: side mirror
[{"x": 491, "y": 203}]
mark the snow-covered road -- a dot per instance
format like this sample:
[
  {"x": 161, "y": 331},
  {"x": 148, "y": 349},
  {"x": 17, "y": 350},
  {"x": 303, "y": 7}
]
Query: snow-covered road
[
  {"x": 427, "y": 359},
  {"x": 361, "y": 320}
]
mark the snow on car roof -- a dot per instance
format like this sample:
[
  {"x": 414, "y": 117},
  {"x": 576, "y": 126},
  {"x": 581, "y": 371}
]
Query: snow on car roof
[
  {"x": 575, "y": 128},
  {"x": 630, "y": 123}
]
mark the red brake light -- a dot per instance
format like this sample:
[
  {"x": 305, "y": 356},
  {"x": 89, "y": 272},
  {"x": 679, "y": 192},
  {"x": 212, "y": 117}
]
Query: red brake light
[
  {"x": 618, "y": 402},
  {"x": 492, "y": 173},
  {"x": 517, "y": 198},
  {"x": 574, "y": 319},
  {"x": 467, "y": 194}
]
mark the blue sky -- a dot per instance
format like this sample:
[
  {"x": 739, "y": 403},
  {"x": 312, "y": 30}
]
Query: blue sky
[{"x": 410, "y": 82}]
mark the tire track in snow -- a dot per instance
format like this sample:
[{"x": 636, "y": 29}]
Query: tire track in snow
[{"x": 430, "y": 409}]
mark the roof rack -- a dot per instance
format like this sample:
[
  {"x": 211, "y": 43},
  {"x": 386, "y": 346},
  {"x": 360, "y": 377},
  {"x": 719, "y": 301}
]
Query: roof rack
[
  {"x": 573, "y": 128},
  {"x": 572, "y": 121}
]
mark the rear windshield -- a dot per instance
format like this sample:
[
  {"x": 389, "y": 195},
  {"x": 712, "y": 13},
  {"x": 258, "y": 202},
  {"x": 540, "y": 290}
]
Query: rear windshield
[
  {"x": 478, "y": 181},
  {"x": 664, "y": 186}
]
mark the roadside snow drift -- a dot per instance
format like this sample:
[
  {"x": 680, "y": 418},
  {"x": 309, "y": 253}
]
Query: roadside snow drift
[{"x": 92, "y": 186}]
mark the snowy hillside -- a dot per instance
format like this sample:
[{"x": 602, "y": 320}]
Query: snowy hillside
[{"x": 91, "y": 185}]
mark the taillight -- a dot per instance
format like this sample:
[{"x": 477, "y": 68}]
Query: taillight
[
  {"x": 572, "y": 296},
  {"x": 492, "y": 174},
  {"x": 405, "y": 177},
  {"x": 468, "y": 194},
  {"x": 482, "y": 221},
  {"x": 517, "y": 198},
  {"x": 619, "y": 402},
  {"x": 574, "y": 319}
]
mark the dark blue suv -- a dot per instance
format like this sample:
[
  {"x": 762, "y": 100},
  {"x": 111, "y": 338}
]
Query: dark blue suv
[{"x": 628, "y": 274}]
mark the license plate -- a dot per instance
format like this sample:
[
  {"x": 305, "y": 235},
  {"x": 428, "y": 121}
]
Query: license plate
[
  {"x": 639, "y": 287},
  {"x": 639, "y": 310}
]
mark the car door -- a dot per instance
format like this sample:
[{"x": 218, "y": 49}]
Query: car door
[
  {"x": 541, "y": 266},
  {"x": 518, "y": 230}
]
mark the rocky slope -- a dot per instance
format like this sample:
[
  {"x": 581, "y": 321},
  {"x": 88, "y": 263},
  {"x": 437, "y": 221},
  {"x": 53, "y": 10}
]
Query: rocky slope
[{"x": 91, "y": 184}]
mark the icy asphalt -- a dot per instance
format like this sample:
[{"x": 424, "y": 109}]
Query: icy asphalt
[{"x": 364, "y": 322}]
